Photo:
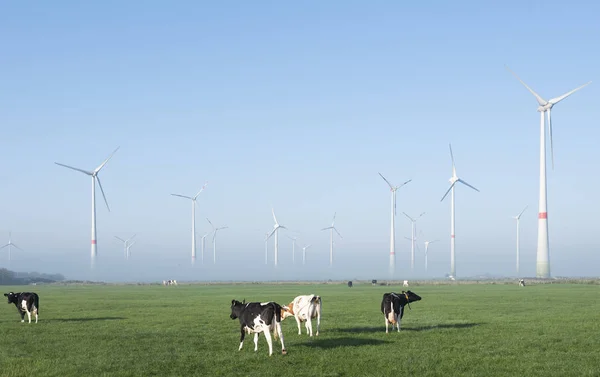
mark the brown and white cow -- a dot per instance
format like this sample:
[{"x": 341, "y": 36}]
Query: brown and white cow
[{"x": 304, "y": 308}]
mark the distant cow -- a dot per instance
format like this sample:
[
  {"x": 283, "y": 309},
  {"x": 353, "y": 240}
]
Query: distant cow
[
  {"x": 405, "y": 284},
  {"x": 169, "y": 282},
  {"x": 26, "y": 302},
  {"x": 392, "y": 307},
  {"x": 521, "y": 283},
  {"x": 374, "y": 282},
  {"x": 304, "y": 309},
  {"x": 350, "y": 284},
  {"x": 256, "y": 317}
]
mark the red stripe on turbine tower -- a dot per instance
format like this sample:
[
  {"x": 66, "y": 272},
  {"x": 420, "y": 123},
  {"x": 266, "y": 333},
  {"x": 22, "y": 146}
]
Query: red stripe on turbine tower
[
  {"x": 543, "y": 215},
  {"x": 93, "y": 242},
  {"x": 452, "y": 236}
]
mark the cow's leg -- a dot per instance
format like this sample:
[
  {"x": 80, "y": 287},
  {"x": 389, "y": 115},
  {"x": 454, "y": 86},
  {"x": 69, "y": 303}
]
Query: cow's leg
[
  {"x": 29, "y": 316},
  {"x": 267, "y": 333},
  {"x": 309, "y": 326},
  {"x": 22, "y": 316},
  {"x": 387, "y": 324},
  {"x": 318, "y": 319},
  {"x": 398, "y": 320},
  {"x": 255, "y": 341},
  {"x": 278, "y": 330},
  {"x": 298, "y": 322},
  {"x": 242, "y": 339}
]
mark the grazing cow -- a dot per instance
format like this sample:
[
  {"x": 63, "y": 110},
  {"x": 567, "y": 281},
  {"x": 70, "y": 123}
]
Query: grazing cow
[
  {"x": 350, "y": 284},
  {"x": 374, "y": 282},
  {"x": 26, "y": 302},
  {"x": 521, "y": 282},
  {"x": 304, "y": 308},
  {"x": 405, "y": 284},
  {"x": 392, "y": 307},
  {"x": 256, "y": 317}
]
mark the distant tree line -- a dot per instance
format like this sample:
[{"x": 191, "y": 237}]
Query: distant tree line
[{"x": 8, "y": 277}]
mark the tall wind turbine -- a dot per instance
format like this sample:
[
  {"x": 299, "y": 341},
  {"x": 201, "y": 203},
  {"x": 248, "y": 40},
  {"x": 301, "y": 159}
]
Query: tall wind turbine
[
  {"x": 10, "y": 245},
  {"x": 203, "y": 242},
  {"x": 193, "y": 199},
  {"x": 214, "y": 239},
  {"x": 293, "y": 248},
  {"x": 518, "y": 218},
  {"x": 427, "y": 243},
  {"x": 331, "y": 229},
  {"x": 413, "y": 238},
  {"x": 304, "y": 253},
  {"x": 275, "y": 231},
  {"x": 543, "y": 248},
  {"x": 95, "y": 177},
  {"x": 393, "y": 225},
  {"x": 125, "y": 245},
  {"x": 453, "y": 180}
]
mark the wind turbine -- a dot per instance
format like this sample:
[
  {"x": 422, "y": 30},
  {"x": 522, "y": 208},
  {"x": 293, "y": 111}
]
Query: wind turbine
[
  {"x": 95, "y": 177},
  {"x": 304, "y": 253},
  {"x": 275, "y": 231},
  {"x": 214, "y": 239},
  {"x": 331, "y": 229},
  {"x": 413, "y": 238},
  {"x": 453, "y": 180},
  {"x": 129, "y": 247},
  {"x": 193, "y": 199},
  {"x": 543, "y": 248},
  {"x": 202, "y": 256},
  {"x": 293, "y": 248},
  {"x": 393, "y": 225},
  {"x": 427, "y": 243},
  {"x": 10, "y": 245},
  {"x": 518, "y": 218},
  {"x": 125, "y": 243}
]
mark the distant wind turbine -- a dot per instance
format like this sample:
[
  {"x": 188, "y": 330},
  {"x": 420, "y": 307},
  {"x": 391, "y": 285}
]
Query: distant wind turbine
[
  {"x": 413, "y": 238},
  {"x": 214, "y": 239},
  {"x": 518, "y": 218},
  {"x": 393, "y": 225},
  {"x": 293, "y": 248},
  {"x": 453, "y": 180},
  {"x": 95, "y": 177},
  {"x": 203, "y": 242},
  {"x": 331, "y": 229},
  {"x": 10, "y": 245},
  {"x": 543, "y": 248},
  {"x": 427, "y": 243},
  {"x": 129, "y": 247},
  {"x": 125, "y": 245},
  {"x": 304, "y": 253},
  {"x": 193, "y": 199},
  {"x": 275, "y": 231}
]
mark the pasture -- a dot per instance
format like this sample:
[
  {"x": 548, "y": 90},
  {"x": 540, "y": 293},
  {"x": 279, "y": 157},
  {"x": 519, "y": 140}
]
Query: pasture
[{"x": 185, "y": 330}]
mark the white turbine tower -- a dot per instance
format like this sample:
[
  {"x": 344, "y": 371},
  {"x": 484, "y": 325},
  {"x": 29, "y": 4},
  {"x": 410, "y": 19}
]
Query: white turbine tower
[
  {"x": 453, "y": 180},
  {"x": 543, "y": 248},
  {"x": 518, "y": 218},
  {"x": 94, "y": 175},
  {"x": 203, "y": 242},
  {"x": 10, "y": 245},
  {"x": 129, "y": 247},
  {"x": 393, "y": 225},
  {"x": 125, "y": 245},
  {"x": 293, "y": 248},
  {"x": 331, "y": 229},
  {"x": 304, "y": 253},
  {"x": 427, "y": 243},
  {"x": 413, "y": 238},
  {"x": 193, "y": 199},
  {"x": 214, "y": 239},
  {"x": 275, "y": 231}
]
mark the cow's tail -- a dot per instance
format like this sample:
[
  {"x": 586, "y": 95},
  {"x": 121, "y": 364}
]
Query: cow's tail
[{"x": 316, "y": 300}]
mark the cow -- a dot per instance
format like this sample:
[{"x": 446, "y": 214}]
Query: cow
[
  {"x": 256, "y": 317},
  {"x": 392, "y": 307},
  {"x": 350, "y": 284},
  {"x": 405, "y": 284},
  {"x": 304, "y": 309},
  {"x": 26, "y": 302},
  {"x": 521, "y": 282}
]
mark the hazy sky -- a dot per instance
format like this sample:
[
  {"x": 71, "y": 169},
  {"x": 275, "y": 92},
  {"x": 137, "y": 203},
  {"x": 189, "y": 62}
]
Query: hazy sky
[{"x": 295, "y": 105}]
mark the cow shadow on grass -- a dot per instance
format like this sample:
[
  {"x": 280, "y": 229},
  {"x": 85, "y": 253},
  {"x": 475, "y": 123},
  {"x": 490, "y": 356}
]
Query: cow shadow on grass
[
  {"x": 342, "y": 342},
  {"x": 376, "y": 329},
  {"x": 87, "y": 319}
]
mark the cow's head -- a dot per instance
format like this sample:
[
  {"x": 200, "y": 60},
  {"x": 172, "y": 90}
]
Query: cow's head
[
  {"x": 411, "y": 296},
  {"x": 12, "y": 297},
  {"x": 236, "y": 308},
  {"x": 287, "y": 311}
]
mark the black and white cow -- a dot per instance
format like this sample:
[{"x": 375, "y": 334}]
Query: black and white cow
[
  {"x": 256, "y": 317},
  {"x": 521, "y": 282},
  {"x": 392, "y": 307},
  {"x": 26, "y": 302}
]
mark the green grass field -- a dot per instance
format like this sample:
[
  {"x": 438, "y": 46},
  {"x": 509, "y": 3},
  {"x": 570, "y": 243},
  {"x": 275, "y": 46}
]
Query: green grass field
[{"x": 474, "y": 330}]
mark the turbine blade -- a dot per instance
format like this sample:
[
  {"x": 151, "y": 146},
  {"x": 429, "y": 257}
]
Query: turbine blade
[
  {"x": 410, "y": 239},
  {"x": 272, "y": 232},
  {"x": 8, "y": 244},
  {"x": 274, "y": 218},
  {"x": 560, "y": 98},
  {"x": 130, "y": 238},
  {"x": 131, "y": 244},
  {"x": 410, "y": 180},
  {"x": 105, "y": 161},
  {"x": 550, "y": 134},
  {"x": 337, "y": 232},
  {"x": 452, "y": 185},
  {"x": 120, "y": 239},
  {"x": 452, "y": 157},
  {"x": 522, "y": 211},
  {"x": 420, "y": 215},
  {"x": 202, "y": 189},
  {"x": 223, "y": 227},
  {"x": 183, "y": 196},
  {"x": 327, "y": 228},
  {"x": 386, "y": 181},
  {"x": 465, "y": 183},
  {"x": 333, "y": 221},
  {"x": 70, "y": 167},
  {"x": 211, "y": 224},
  {"x": 102, "y": 191},
  {"x": 540, "y": 100},
  {"x": 410, "y": 218}
]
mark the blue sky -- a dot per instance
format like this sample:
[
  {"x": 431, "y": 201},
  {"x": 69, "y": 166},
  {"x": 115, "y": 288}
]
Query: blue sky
[{"x": 296, "y": 106}]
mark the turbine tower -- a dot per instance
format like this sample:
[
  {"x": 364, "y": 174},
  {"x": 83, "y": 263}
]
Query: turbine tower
[
  {"x": 95, "y": 177},
  {"x": 304, "y": 253},
  {"x": 125, "y": 245},
  {"x": 518, "y": 218},
  {"x": 427, "y": 243},
  {"x": 129, "y": 247},
  {"x": 193, "y": 199},
  {"x": 453, "y": 180},
  {"x": 275, "y": 231},
  {"x": 203, "y": 242},
  {"x": 413, "y": 238},
  {"x": 214, "y": 239},
  {"x": 393, "y": 225},
  {"x": 543, "y": 248},
  {"x": 10, "y": 245},
  {"x": 293, "y": 248},
  {"x": 331, "y": 229}
]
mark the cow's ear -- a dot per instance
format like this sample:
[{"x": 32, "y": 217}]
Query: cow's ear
[
  {"x": 233, "y": 302},
  {"x": 243, "y": 302}
]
